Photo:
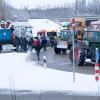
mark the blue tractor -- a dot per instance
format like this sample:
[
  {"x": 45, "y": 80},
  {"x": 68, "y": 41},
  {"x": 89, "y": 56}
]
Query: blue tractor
[{"x": 6, "y": 39}]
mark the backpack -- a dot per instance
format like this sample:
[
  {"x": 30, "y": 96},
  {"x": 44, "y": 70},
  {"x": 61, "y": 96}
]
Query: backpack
[{"x": 35, "y": 42}]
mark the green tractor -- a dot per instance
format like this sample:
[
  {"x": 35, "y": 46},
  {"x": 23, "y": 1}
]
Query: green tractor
[
  {"x": 63, "y": 42},
  {"x": 85, "y": 48}
]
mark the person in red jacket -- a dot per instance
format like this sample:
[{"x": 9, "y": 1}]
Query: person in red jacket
[{"x": 37, "y": 46}]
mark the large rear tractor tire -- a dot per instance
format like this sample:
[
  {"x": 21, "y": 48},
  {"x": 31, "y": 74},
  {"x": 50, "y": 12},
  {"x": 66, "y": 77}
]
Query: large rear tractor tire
[{"x": 79, "y": 56}]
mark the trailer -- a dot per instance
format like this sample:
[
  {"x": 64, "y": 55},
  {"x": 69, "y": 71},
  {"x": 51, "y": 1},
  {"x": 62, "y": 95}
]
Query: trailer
[{"x": 6, "y": 40}]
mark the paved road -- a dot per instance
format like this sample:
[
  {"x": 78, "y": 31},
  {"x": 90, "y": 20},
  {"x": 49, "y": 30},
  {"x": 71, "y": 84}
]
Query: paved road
[{"x": 61, "y": 62}]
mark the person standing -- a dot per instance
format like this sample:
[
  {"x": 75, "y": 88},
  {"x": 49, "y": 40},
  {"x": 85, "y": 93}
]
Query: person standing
[
  {"x": 37, "y": 46},
  {"x": 30, "y": 46},
  {"x": 24, "y": 44},
  {"x": 17, "y": 43},
  {"x": 52, "y": 40},
  {"x": 44, "y": 42}
]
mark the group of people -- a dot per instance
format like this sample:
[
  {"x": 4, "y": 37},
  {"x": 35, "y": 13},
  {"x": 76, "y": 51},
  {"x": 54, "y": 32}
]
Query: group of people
[
  {"x": 41, "y": 42},
  {"x": 20, "y": 43},
  {"x": 24, "y": 43}
]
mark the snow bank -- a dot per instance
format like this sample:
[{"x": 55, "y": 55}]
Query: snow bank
[{"x": 30, "y": 76}]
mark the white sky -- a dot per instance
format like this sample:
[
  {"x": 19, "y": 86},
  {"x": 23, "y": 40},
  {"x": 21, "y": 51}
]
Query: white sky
[{"x": 34, "y": 3}]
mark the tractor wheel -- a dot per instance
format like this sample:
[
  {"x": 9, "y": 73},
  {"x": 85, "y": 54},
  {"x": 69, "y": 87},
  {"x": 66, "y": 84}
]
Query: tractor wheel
[
  {"x": 64, "y": 51},
  {"x": 57, "y": 51},
  {"x": 78, "y": 55}
]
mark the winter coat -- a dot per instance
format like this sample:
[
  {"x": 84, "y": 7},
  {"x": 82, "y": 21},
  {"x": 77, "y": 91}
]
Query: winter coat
[
  {"x": 37, "y": 45},
  {"x": 51, "y": 38},
  {"x": 44, "y": 41}
]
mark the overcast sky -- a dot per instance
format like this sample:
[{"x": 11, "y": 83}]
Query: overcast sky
[{"x": 34, "y": 3}]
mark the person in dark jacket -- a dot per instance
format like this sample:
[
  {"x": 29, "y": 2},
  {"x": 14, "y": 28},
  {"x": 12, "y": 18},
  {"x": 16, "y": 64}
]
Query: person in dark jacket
[
  {"x": 12, "y": 34},
  {"x": 12, "y": 28},
  {"x": 30, "y": 45},
  {"x": 37, "y": 46},
  {"x": 24, "y": 44},
  {"x": 44, "y": 42},
  {"x": 17, "y": 43},
  {"x": 52, "y": 39}
]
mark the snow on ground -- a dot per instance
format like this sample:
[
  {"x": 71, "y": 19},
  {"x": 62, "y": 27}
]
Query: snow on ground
[{"x": 30, "y": 76}]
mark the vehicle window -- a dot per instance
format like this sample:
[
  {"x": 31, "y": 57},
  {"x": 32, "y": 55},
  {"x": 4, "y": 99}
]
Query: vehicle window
[
  {"x": 51, "y": 33},
  {"x": 93, "y": 36}
]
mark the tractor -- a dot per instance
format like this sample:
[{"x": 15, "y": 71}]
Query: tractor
[
  {"x": 63, "y": 41},
  {"x": 85, "y": 48}
]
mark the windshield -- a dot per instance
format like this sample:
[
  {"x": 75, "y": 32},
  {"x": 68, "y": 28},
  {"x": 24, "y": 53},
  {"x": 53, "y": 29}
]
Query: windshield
[
  {"x": 93, "y": 36},
  {"x": 65, "y": 35},
  {"x": 51, "y": 33}
]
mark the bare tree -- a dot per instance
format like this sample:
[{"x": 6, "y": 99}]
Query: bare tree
[
  {"x": 2, "y": 10},
  {"x": 1, "y": 2}
]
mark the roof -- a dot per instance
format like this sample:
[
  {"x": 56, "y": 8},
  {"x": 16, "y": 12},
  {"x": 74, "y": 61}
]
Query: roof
[
  {"x": 44, "y": 24},
  {"x": 91, "y": 30},
  {"x": 19, "y": 24}
]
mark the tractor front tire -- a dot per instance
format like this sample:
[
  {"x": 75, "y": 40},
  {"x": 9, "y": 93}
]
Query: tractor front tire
[{"x": 57, "y": 51}]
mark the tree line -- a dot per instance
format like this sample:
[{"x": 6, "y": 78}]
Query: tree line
[{"x": 79, "y": 7}]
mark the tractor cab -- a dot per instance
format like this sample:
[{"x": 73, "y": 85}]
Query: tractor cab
[
  {"x": 92, "y": 36},
  {"x": 65, "y": 35},
  {"x": 52, "y": 33},
  {"x": 64, "y": 41}
]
